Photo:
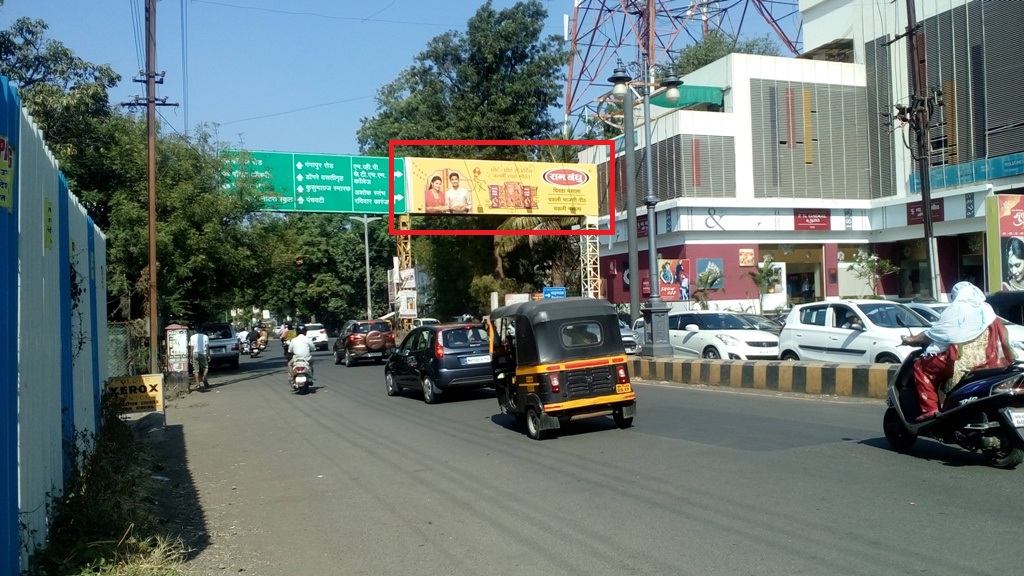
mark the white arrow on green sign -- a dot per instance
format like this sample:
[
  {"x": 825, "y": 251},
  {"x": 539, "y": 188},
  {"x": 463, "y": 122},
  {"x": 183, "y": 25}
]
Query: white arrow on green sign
[{"x": 295, "y": 182}]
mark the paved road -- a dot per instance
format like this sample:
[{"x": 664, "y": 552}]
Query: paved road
[{"x": 707, "y": 482}]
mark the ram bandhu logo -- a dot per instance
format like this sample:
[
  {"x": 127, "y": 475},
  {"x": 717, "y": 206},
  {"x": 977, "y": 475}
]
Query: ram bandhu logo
[{"x": 566, "y": 177}]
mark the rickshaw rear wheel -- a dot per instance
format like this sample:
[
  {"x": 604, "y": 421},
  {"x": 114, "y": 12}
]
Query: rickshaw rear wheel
[
  {"x": 533, "y": 429},
  {"x": 620, "y": 420}
]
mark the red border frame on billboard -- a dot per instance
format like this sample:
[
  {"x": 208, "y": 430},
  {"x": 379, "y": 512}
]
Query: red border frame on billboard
[{"x": 611, "y": 188}]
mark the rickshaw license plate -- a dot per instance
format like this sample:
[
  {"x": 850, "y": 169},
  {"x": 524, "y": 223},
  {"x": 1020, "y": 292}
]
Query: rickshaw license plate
[
  {"x": 623, "y": 388},
  {"x": 1018, "y": 418},
  {"x": 476, "y": 360}
]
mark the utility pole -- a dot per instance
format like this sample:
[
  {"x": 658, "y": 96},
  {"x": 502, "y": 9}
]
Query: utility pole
[
  {"x": 151, "y": 102},
  {"x": 918, "y": 116}
]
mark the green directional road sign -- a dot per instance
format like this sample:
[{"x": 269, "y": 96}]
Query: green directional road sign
[{"x": 295, "y": 182}]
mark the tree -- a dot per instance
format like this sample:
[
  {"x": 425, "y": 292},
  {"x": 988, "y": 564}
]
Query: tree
[
  {"x": 869, "y": 268},
  {"x": 497, "y": 81},
  {"x": 766, "y": 278},
  {"x": 717, "y": 44}
]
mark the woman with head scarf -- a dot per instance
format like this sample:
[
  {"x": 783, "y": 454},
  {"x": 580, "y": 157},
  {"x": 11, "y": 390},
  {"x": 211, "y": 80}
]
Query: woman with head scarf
[{"x": 967, "y": 336}]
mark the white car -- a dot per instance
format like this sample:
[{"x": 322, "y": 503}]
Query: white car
[
  {"x": 417, "y": 322},
  {"x": 318, "y": 334},
  {"x": 853, "y": 331},
  {"x": 629, "y": 338},
  {"x": 714, "y": 334}
]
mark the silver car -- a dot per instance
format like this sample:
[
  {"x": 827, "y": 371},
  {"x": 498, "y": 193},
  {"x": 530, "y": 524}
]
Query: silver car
[{"x": 629, "y": 338}]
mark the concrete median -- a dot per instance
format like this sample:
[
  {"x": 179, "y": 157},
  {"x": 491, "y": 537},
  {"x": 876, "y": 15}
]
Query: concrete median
[{"x": 855, "y": 380}]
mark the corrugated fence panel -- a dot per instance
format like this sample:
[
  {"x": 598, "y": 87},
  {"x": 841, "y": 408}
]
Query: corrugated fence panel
[
  {"x": 81, "y": 313},
  {"x": 40, "y": 438},
  {"x": 10, "y": 119}
]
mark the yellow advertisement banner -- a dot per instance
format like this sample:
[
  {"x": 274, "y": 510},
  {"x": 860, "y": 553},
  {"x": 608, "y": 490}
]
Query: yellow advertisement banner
[
  {"x": 141, "y": 393},
  {"x": 446, "y": 186}
]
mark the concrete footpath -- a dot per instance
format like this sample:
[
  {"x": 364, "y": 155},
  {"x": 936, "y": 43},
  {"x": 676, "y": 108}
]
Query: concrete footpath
[{"x": 854, "y": 380}]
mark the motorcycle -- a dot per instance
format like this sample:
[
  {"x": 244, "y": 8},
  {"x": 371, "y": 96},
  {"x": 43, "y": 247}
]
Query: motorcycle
[
  {"x": 254, "y": 350},
  {"x": 245, "y": 347},
  {"x": 983, "y": 412},
  {"x": 302, "y": 374}
]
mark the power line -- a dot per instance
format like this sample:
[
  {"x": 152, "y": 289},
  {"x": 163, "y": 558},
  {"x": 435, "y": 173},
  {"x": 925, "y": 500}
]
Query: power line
[
  {"x": 294, "y": 111},
  {"x": 184, "y": 61},
  {"x": 327, "y": 16}
]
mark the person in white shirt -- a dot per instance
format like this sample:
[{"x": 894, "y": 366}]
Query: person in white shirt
[
  {"x": 199, "y": 349},
  {"x": 300, "y": 347},
  {"x": 456, "y": 198}
]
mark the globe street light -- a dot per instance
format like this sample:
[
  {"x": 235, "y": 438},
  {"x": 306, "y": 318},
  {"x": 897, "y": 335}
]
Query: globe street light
[
  {"x": 656, "y": 312},
  {"x": 366, "y": 250}
]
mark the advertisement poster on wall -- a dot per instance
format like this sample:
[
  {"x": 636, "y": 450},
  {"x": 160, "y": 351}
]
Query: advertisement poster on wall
[
  {"x": 674, "y": 280},
  {"x": 1005, "y": 218},
  {"x": 713, "y": 267}
]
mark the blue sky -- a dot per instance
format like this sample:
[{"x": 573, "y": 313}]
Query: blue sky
[
  {"x": 285, "y": 75},
  {"x": 293, "y": 75}
]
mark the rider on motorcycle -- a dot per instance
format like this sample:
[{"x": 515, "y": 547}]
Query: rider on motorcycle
[
  {"x": 967, "y": 331},
  {"x": 300, "y": 347}
]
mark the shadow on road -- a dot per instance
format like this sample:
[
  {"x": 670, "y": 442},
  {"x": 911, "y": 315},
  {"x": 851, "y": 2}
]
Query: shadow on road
[
  {"x": 932, "y": 450},
  {"x": 177, "y": 499}
]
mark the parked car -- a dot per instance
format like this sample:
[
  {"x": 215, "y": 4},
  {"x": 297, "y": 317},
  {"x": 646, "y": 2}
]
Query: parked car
[
  {"x": 629, "y": 338},
  {"x": 762, "y": 322},
  {"x": 823, "y": 331},
  {"x": 364, "y": 340},
  {"x": 638, "y": 329},
  {"x": 224, "y": 348},
  {"x": 439, "y": 358},
  {"x": 931, "y": 311},
  {"x": 715, "y": 334}
]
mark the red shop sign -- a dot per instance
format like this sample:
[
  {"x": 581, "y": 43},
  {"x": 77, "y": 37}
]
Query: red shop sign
[
  {"x": 915, "y": 211},
  {"x": 812, "y": 219}
]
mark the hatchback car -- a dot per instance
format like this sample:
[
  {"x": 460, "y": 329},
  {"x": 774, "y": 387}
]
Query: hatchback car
[
  {"x": 714, "y": 334},
  {"x": 364, "y": 340},
  {"x": 224, "y": 347},
  {"x": 439, "y": 358},
  {"x": 857, "y": 331},
  {"x": 318, "y": 334}
]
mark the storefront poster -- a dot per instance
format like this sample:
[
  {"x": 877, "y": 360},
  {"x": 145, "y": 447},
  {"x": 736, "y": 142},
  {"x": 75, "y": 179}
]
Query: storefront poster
[
  {"x": 674, "y": 280},
  {"x": 712, "y": 266},
  {"x": 453, "y": 186},
  {"x": 1006, "y": 212}
]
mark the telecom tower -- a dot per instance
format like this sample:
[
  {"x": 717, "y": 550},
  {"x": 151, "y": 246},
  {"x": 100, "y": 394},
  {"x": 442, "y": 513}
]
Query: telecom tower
[{"x": 602, "y": 31}]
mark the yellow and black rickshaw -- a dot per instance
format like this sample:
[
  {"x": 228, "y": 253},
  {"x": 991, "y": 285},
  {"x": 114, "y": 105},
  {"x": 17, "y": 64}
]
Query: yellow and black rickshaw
[{"x": 558, "y": 360}]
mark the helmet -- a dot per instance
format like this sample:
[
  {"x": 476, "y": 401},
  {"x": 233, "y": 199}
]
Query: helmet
[{"x": 300, "y": 329}]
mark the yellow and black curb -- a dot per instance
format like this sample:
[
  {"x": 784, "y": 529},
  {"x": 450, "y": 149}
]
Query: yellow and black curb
[{"x": 855, "y": 380}]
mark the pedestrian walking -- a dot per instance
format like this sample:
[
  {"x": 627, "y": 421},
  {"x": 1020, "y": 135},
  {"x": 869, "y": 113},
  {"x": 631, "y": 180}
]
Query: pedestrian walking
[{"x": 199, "y": 349}]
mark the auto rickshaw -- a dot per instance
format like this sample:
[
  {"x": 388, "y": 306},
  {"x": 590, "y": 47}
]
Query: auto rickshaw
[{"x": 559, "y": 360}]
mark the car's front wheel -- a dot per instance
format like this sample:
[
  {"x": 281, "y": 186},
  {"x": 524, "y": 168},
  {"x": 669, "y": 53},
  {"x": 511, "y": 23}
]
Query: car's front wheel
[
  {"x": 390, "y": 384},
  {"x": 790, "y": 356},
  {"x": 711, "y": 353}
]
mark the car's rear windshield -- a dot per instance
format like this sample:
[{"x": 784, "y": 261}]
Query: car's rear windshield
[
  {"x": 312, "y": 327},
  {"x": 464, "y": 337},
  {"x": 217, "y": 331},
  {"x": 372, "y": 327}
]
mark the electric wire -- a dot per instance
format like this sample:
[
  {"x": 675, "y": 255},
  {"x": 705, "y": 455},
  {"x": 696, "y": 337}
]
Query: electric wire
[{"x": 137, "y": 30}]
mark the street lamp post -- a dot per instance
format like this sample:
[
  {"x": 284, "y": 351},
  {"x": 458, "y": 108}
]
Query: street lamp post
[
  {"x": 656, "y": 312},
  {"x": 620, "y": 82},
  {"x": 365, "y": 220}
]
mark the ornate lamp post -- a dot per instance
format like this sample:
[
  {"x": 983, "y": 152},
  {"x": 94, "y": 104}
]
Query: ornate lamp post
[
  {"x": 365, "y": 221},
  {"x": 656, "y": 313}
]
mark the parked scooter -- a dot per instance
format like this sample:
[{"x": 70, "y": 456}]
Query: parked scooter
[
  {"x": 302, "y": 374},
  {"x": 984, "y": 412}
]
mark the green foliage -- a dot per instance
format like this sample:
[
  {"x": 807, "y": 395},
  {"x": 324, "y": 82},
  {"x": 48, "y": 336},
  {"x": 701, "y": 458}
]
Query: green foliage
[
  {"x": 105, "y": 517},
  {"x": 869, "y": 268},
  {"x": 717, "y": 44},
  {"x": 765, "y": 278},
  {"x": 499, "y": 80}
]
